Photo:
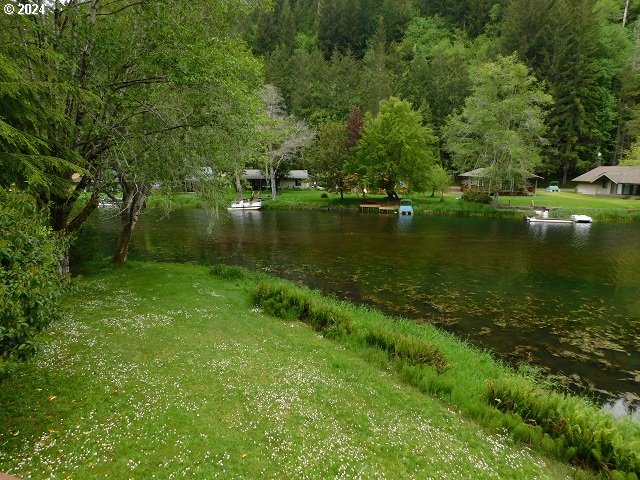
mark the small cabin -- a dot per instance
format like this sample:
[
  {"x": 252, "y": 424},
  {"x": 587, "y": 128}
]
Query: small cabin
[{"x": 478, "y": 180}]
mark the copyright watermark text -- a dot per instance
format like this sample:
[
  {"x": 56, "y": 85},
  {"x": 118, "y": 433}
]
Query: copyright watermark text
[{"x": 23, "y": 9}]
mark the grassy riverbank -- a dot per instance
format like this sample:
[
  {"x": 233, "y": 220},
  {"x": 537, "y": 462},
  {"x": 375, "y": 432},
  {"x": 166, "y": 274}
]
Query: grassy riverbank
[
  {"x": 561, "y": 204},
  {"x": 166, "y": 371}
]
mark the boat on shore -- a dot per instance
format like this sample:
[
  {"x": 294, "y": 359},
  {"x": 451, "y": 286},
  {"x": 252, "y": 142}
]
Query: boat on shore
[{"x": 245, "y": 205}]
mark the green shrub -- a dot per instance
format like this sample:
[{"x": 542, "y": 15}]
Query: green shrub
[
  {"x": 324, "y": 195},
  {"x": 228, "y": 272},
  {"x": 30, "y": 283},
  {"x": 476, "y": 196},
  {"x": 289, "y": 302},
  {"x": 282, "y": 300},
  {"x": 404, "y": 347},
  {"x": 572, "y": 427}
]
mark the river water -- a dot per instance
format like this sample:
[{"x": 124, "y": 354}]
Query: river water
[{"x": 563, "y": 297}]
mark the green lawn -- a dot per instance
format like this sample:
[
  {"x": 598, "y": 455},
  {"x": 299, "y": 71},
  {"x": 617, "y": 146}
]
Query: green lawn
[
  {"x": 563, "y": 203},
  {"x": 163, "y": 371},
  {"x": 573, "y": 200}
]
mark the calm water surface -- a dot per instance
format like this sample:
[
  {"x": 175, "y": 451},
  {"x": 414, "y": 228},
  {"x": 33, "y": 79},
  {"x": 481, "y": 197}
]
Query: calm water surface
[{"x": 564, "y": 297}]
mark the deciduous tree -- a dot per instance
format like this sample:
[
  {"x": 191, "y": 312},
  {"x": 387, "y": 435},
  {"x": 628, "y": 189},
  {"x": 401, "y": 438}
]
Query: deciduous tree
[
  {"x": 501, "y": 126},
  {"x": 396, "y": 147},
  {"x": 286, "y": 136},
  {"x": 118, "y": 80}
]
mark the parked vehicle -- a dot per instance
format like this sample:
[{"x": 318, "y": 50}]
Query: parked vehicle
[{"x": 553, "y": 187}]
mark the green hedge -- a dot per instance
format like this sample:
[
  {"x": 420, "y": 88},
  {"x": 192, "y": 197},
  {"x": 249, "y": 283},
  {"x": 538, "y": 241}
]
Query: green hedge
[{"x": 476, "y": 196}]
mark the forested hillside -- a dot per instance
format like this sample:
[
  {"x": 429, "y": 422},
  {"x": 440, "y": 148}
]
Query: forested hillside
[
  {"x": 127, "y": 96},
  {"x": 329, "y": 56}
]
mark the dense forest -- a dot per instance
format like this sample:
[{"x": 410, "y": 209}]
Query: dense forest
[
  {"x": 122, "y": 97},
  {"x": 329, "y": 56}
]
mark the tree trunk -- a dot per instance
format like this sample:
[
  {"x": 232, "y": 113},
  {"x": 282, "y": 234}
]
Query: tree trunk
[
  {"x": 238, "y": 185},
  {"x": 274, "y": 189},
  {"x": 84, "y": 214},
  {"x": 134, "y": 200},
  {"x": 391, "y": 193},
  {"x": 565, "y": 173},
  {"x": 63, "y": 266}
]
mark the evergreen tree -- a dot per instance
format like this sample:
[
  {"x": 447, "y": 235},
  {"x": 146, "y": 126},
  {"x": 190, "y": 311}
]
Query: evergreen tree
[
  {"x": 561, "y": 42},
  {"x": 526, "y": 29},
  {"x": 580, "y": 121},
  {"x": 355, "y": 124},
  {"x": 329, "y": 156},
  {"x": 624, "y": 51},
  {"x": 287, "y": 26},
  {"x": 471, "y": 15},
  {"x": 341, "y": 25},
  {"x": 377, "y": 78}
]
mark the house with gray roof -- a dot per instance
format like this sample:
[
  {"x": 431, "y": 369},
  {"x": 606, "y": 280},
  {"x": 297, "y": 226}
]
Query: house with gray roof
[
  {"x": 609, "y": 180},
  {"x": 296, "y": 179},
  {"x": 292, "y": 179}
]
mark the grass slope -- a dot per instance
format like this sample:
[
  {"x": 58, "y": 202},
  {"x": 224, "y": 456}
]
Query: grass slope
[{"x": 162, "y": 371}]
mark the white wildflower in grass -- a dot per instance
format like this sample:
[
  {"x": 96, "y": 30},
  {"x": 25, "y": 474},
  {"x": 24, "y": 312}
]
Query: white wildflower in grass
[{"x": 174, "y": 382}]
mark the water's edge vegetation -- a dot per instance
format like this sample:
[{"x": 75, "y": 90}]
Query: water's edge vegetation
[
  {"x": 601, "y": 208},
  {"x": 561, "y": 425},
  {"x": 157, "y": 364},
  {"x": 163, "y": 370}
]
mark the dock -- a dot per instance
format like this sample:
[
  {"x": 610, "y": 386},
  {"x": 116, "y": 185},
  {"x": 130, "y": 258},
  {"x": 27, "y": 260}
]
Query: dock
[
  {"x": 369, "y": 207},
  {"x": 374, "y": 207},
  {"x": 388, "y": 210}
]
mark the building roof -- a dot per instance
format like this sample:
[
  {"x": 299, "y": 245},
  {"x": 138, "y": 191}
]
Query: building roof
[
  {"x": 253, "y": 174},
  {"x": 616, "y": 174},
  {"x": 298, "y": 174},
  {"x": 479, "y": 173}
]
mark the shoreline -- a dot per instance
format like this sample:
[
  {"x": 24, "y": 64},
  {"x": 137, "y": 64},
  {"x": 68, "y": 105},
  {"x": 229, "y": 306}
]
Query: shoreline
[
  {"x": 149, "y": 324},
  {"x": 510, "y": 207}
]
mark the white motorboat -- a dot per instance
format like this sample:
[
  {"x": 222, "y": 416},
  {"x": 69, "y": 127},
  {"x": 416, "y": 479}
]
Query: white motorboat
[
  {"x": 581, "y": 219},
  {"x": 543, "y": 217},
  {"x": 246, "y": 205},
  {"x": 548, "y": 220}
]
